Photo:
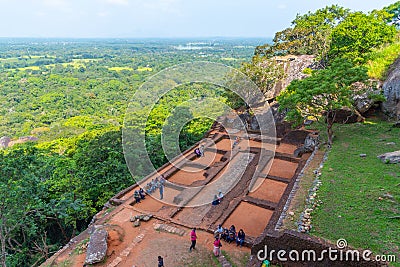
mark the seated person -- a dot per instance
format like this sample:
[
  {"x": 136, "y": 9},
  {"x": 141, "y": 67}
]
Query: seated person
[
  {"x": 232, "y": 234},
  {"x": 197, "y": 152},
  {"x": 219, "y": 231},
  {"x": 215, "y": 201},
  {"x": 220, "y": 195},
  {"x": 231, "y": 237},
  {"x": 142, "y": 193},
  {"x": 201, "y": 150},
  {"x": 148, "y": 188},
  {"x": 136, "y": 195},
  {"x": 240, "y": 237},
  {"x": 225, "y": 235},
  {"x": 232, "y": 229}
]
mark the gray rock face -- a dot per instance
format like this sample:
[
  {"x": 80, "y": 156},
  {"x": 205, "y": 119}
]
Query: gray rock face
[
  {"x": 97, "y": 248},
  {"x": 391, "y": 91},
  {"x": 4, "y": 141},
  {"x": 293, "y": 67},
  {"x": 363, "y": 102},
  {"x": 390, "y": 157}
]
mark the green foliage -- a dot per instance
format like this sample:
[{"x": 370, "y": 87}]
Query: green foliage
[
  {"x": 394, "y": 10},
  {"x": 307, "y": 71},
  {"x": 309, "y": 34},
  {"x": 359, "y": 33},
  {"x": 324, "y": 91},
  {"x": 379, "y": 60},
  {"x": 263, "y": 72},
  {"x": 75, "y": 102}
]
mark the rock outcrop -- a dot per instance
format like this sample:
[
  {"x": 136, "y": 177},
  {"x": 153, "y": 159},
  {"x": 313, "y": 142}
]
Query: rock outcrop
[
  {"x": 293, "y": 67},
  {"x": 4, "y": 141},
  {"x": 391, "y": 91},
  {"x": 97, "y": 248},
  {"x": 390, "y": 157}
]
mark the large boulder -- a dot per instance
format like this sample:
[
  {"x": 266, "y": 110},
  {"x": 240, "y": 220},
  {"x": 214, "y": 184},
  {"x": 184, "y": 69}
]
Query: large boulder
[
  {"x": 293, "y": 67},
  {"x": 4, "y": 141},
  {"x": 390, "y": 157},
  {"x": 97, "y": 248},
  {"x": 391, "y": 91}
]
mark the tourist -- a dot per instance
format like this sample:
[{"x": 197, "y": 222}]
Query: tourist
[
  {"x": 161, "y": 188},
  {"x": 148, "y": 188},
  {"x": 162, "y": 179},
  {"x": 217, "y": 247},
  {"x": 160, "y": 261},
  {"x": 225, "y": 235},
  {"x": 142, "y": 193},
  {"x": 153, "y": 185},
  {"x": 219, "y": 231},
  {"x": 193, "y": 238},
  {"x": 215, "y": 201},
  {"x": 237, "y": 140},
  {"x": 232, "y": 234},
  {"x": 220, "y": 195},
  {"x": 201, "y": 150},
  {"x": 136, "y": 195},
  {"x": 240, "y": 237},
  {"x": 197, "y": 152}
]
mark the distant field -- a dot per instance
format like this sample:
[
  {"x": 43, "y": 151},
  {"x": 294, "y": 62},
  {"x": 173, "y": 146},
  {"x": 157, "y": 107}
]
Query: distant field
[
  {"x": 229, "y": 58},
  {"x": 30, "y": 68},
  {"x": 144, "y": 69},
  {"x": 120, "y": 68}
]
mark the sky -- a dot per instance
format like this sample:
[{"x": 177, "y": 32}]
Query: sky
[{"x": 158, "y": 18}]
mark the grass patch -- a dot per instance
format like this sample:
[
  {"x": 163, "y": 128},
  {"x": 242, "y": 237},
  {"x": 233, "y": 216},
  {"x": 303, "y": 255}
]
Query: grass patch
[
  {"x": 200, "y": 258},
  {"x": 237, "y": 258},
  {"x": 359, "y": 195},
  {"x": 81, "y": 247},
  {"x": 30, "y": 68},
  {"x": 118, "y": 69},
  {"x": 144, "y": 69},
  {"x": 381, "y": 59},
  {"x": 229, "y": 58}
]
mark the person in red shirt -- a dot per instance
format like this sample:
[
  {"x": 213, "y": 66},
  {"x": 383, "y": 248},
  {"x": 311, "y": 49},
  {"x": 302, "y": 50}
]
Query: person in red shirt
[
  {"x": 193, "y": 238},
  {"x": 217, "y": 247}
]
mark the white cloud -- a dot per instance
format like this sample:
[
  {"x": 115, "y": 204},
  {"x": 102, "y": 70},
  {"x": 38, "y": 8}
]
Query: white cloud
[
  {"x": 167, "y": 6},
  {"x": 282, "y": 6},
  {"x": 55, "y": 3},
  {"x": 118, "y": 2},
  {"x": 103, "y": 14}
]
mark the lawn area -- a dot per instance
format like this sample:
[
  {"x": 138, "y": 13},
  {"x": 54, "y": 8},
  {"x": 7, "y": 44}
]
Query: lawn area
[
  {"x": 120, "y": 68},
  {"x": 361, "y": 195}
]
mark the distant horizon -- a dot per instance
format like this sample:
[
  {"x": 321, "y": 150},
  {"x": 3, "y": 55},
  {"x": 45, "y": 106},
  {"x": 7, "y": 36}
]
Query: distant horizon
[
  {"x": 141, "y": 38},
  {"x": 170, "y": 19}
]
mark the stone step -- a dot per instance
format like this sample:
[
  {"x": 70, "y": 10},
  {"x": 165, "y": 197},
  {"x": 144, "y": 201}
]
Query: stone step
[
  {"x": 223, "y": 261},
  {"x": 168, "y": 229}
]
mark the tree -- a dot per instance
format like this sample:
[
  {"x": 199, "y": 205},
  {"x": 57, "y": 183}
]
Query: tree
[
  {"x": 324, "y": 92},
  {"x": 394, "y": 11},
  {"x": 309, "y": 34},
  {"x": 263, "y": 72},
  {"x": 359, "y": 33}
]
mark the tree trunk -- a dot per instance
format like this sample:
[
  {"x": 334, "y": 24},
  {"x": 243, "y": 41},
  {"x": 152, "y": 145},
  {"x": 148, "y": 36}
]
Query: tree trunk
[{"x": 330, "y": 118}]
